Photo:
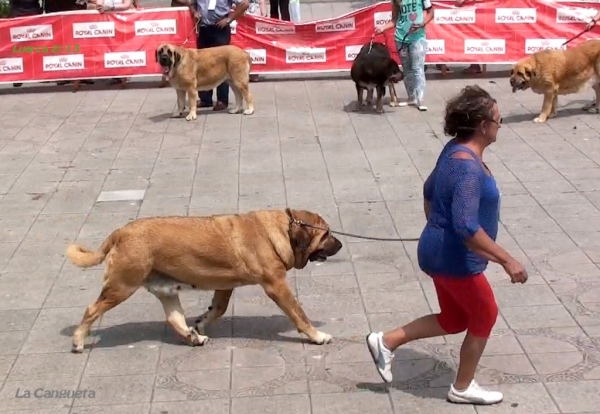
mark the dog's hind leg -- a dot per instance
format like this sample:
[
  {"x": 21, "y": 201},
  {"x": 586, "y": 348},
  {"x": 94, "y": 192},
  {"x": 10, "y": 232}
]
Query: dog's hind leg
[
  {"x": 281, "y": 294},
  {"x": 178, "y": 113},
  {"x": 176, "y": 318},
  {"x": 242, "y": 93},
  {"x": 379, "y": 104},
  {"x": 218, "y": 307},
  {"x": 594, "y": 109},
  {"x": 359, "y": 98},
  {"x": 112, "y": 294}
]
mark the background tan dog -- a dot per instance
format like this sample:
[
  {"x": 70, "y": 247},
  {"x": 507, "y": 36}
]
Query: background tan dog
[
  {"x": 193, "y": 70},
  {"x": 169, "y": 254},
  {"x": 559, "y": 72}
]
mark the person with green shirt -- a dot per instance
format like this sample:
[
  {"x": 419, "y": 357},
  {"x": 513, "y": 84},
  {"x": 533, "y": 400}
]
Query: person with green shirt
[{"x": 410, "y": 17}]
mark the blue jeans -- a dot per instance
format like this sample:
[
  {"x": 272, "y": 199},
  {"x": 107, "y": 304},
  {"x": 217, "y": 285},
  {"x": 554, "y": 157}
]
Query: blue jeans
[
  {"x": 412, "y": 57},
  {"x": 210, "y": 36}
]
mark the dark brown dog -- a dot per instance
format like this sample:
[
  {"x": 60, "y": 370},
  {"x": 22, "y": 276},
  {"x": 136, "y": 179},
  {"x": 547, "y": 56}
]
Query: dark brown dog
[
  {"x": 169, "y": 254},
  {"x": 374, "y": 69}
]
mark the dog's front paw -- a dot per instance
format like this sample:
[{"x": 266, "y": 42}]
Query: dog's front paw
[
  {"x": 322, "y": 338},
  {"x": 191, "y": 116},
  {"x": 195, "y": 339},
  {"x": 177, "y": 114},
  {"x": 77, "y": 348},
  {"x": 394, "y": 104},
  {"x": 540, "y": 119},
  {"x": 379, "y": 110},
  {"x": 248, "y": 111}
]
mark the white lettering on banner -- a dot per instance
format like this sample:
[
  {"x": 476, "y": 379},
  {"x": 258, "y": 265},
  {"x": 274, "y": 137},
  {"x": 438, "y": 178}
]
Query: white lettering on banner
[
  {"x": 65, "y": 62},
  {"x": 233, "y": 27},
  {"x": 258, "y": 56},
  {"x": 125, "y": 60},
  {"x": 339, "y": 26},
  {"x": 27, "y": 33},
  {"x": 155, "y": 27},
  {"x": 381, "y": 18},
  {"x": 93, "y": 30},
  {"x": 521, "y": 15},
  {"x": 462, "y": 15},
  {"x": 436, "y": 46},
  {"x": 266, "y": 28},
  {"x": 574, "y": 14},
  {"x": 536, "y": 45},
  {"x": 352, "y": 52},
  {"x": 485, "y": 46},
  {"x": 306, "y": 55},
  {"x": 9, "y": 66}
]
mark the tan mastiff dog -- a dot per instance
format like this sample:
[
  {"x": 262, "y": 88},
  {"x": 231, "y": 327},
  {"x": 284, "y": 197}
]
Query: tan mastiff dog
[
  {"x": 167, "y": 255},
  {"x": 193, "y": 70},
  {"x": 559, "y": 72}
]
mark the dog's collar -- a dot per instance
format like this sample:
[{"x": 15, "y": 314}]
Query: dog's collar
[{"x": 293, "y": 220}]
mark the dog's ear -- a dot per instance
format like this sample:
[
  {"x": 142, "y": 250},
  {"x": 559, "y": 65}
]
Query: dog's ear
[
  {"x": 157, "y": 53},
  {"x": 176, "y": 58},
  {"x": 300, "y": 241}
]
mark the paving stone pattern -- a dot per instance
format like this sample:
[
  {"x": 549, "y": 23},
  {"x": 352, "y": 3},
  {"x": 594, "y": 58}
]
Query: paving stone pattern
[{"x": 303, "y": 148}]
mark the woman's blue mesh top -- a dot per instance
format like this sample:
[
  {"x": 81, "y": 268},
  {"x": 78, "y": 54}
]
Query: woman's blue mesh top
[{"x": 463, "y": 199}]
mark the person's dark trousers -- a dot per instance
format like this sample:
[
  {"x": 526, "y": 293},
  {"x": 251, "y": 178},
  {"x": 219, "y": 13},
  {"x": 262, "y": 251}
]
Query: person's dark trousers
[
  {"x": 282, "y": 6},
  {"x": 210, "y": 36}
]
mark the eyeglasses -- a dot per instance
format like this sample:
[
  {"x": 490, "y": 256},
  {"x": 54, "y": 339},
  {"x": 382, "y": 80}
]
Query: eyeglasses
[{"x": 497, "y": 122}]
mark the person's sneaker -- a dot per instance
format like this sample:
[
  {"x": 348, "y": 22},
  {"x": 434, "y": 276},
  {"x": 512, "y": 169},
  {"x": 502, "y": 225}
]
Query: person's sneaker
[
  {"x": 408, "y": 102},
  {"x": 474, "y": 394},
  {"x": 422, "y": 107},
  {"x": 381, "y": 355}
]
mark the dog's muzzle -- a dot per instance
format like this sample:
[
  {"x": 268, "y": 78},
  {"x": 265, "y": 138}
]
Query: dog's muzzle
[
  {"x": 165, "y": 63},
  {"x": 321, "y": 255},
  {"x": 518, "y": 84}
]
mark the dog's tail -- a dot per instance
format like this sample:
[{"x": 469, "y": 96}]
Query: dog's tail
[{"x": 83, "y": 257}]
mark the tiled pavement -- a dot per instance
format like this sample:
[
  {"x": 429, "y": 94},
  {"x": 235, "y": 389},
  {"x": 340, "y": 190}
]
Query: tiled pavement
[{"x": 302, "y": 148}]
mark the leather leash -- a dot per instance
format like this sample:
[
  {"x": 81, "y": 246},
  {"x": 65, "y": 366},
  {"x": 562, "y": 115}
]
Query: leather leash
[{"x": 584, "y": 31}]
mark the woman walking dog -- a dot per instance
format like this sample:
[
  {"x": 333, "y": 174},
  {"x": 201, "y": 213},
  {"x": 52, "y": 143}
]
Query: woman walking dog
[{"x": 461, "y": 205}]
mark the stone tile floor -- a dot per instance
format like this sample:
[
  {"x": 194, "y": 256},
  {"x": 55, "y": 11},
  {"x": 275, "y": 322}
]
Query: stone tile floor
[{"x": 302, "y": 148}]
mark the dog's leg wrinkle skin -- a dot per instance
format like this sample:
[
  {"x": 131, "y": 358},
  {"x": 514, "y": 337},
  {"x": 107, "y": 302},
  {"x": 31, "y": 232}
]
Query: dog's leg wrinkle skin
[
  {"x": 379, "y": 105},
  {"x": 176, "y": 318},
  {"x": 546, "y": 107},
  {"x": 178, "y": 113},
  {"x": 110, "y": 296},
  {"x": 192, "y": 94},
  {"x": 220, "y": 303},
  {"x": 280, "y": 293},
  {"x": 359, "y": 98}
]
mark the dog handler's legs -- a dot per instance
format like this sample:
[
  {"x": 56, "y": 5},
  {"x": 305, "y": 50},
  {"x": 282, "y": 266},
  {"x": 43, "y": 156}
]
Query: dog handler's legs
[
  {"x": 205, "y": 39},
  {"x": 218, "y": 307},
  {"x": 409, "y": 75},
  {"x": 176, "y": 318},
  {"x": 222, "y": 38},
  {"x": 112, "y": 294},
  {"x": 280, "y": 293},
  {"x": 418, "y": 52}
]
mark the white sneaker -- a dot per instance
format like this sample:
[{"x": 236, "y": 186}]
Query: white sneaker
[
  {"x": 475, "y": 394},
  {"x": 408, "y": 102},
  {"x": 422, "y": 107},
  {"x": 381, "y": 355}
]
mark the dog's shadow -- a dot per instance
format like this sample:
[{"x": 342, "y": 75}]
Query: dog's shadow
[
  {"x": 262, "y": 328},
  {"x": 420, "y": 385},
  {"x": 568, "y": 110},
  {"x": 368, "y": 109}
]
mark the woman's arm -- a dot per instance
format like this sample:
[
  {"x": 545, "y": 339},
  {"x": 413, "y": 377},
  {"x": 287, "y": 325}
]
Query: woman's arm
[
  {"x": 465, "y": 211},
  {"x": 262, "y": 5}
]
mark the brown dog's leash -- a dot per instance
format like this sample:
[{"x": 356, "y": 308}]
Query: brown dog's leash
[
  {"x": 584, "y": 31},
  {"x": 373, "y": 39},
  {"x": 195, "y": 30},
  {"x": 356, "y": 236}
]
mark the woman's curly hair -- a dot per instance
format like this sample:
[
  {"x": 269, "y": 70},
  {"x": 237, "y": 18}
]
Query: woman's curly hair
[{"x": 466, "y": 111}]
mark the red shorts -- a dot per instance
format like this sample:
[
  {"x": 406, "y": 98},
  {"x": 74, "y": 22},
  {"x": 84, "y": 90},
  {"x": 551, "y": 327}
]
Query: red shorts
[{"x": 466, "y": 304}]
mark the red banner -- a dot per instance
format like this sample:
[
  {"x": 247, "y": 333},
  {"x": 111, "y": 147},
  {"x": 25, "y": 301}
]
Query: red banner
[{"x": 89, "y": 45}]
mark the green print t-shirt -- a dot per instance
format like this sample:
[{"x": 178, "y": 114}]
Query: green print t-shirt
[{"x": 410, "y": 12}]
